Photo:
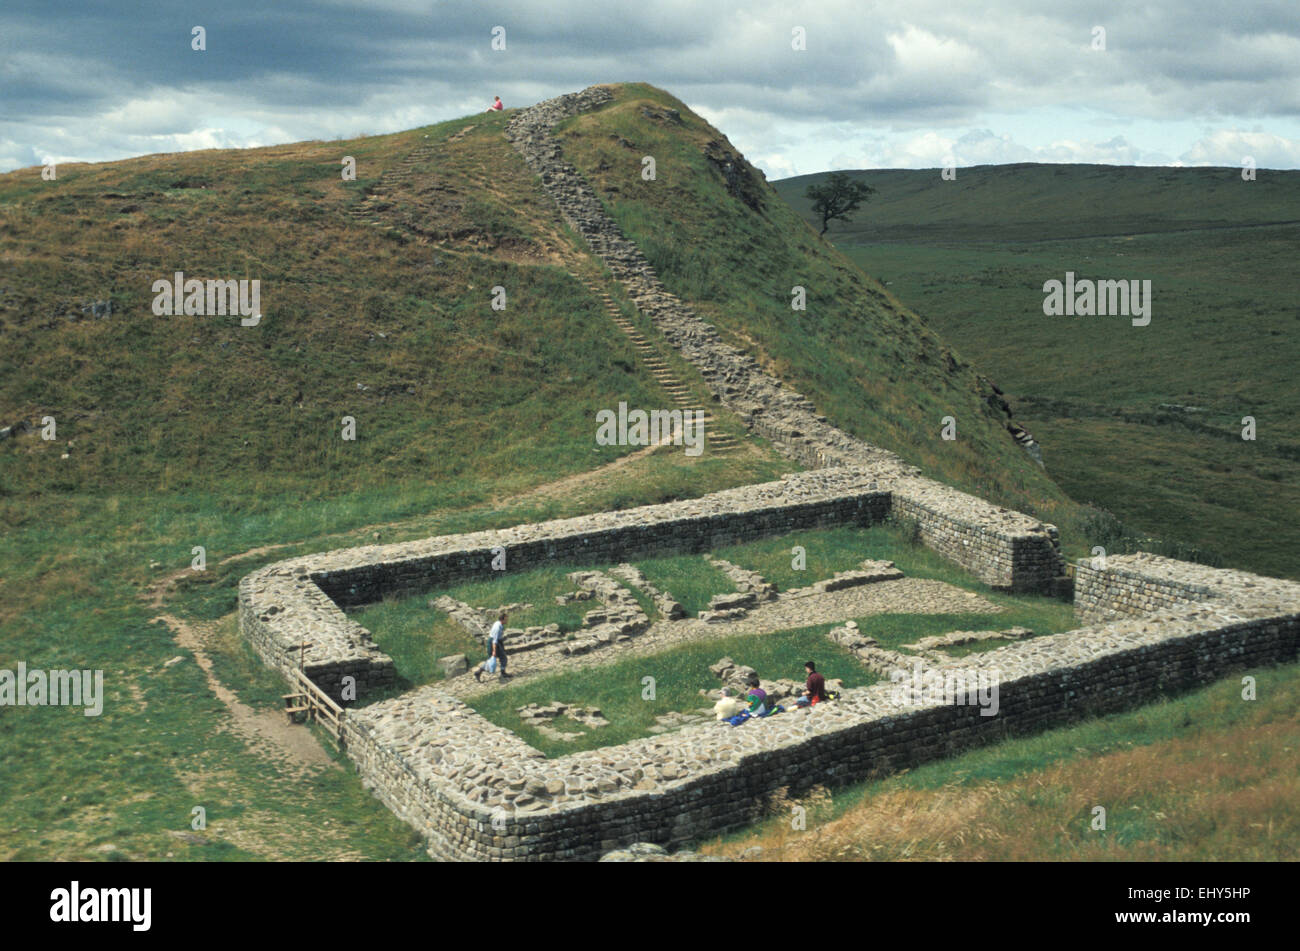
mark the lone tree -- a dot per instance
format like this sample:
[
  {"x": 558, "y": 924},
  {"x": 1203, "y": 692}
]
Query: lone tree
[{"x": 838, "y": 197}]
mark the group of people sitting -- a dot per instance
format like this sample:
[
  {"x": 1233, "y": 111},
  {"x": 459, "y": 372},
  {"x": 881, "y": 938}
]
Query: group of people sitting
[{"x": 755, "y": 704}]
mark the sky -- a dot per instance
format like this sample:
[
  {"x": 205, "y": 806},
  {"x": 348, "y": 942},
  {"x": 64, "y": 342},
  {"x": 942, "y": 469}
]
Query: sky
[{"x": 797, "y": 87}]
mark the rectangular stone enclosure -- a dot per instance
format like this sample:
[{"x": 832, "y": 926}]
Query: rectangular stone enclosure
[{"x": 476, "y": 791}]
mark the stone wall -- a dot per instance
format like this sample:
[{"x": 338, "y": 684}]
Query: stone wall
[
  {"x": 280, "y": 609},
  {"x": 1130, "y": 585},
  {"x": 700, "y": 525}
]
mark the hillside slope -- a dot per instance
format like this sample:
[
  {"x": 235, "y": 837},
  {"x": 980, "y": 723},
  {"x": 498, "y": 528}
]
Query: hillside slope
[
  {"x": 1143, "y": 421},
  {"x": 720, "y": 239},
  {"x": 393, "y": 326}
]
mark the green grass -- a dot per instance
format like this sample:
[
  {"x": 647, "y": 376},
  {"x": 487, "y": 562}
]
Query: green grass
[
  {"x": 398, "y": 335},
  {"x": 679, "y": 675},
  {"x": 417, "y": 637},
  {"x": 538, "y": 587},
  {"x": 688, "y": 578},
  {"x": 972, "y": 255},
  {"x": 828, "y": 551}
]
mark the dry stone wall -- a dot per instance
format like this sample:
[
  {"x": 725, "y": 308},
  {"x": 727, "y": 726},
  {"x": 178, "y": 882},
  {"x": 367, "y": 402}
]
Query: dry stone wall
[
  {"x": 1003, "y": 548},
  {"x": 1129, "y": 585}
]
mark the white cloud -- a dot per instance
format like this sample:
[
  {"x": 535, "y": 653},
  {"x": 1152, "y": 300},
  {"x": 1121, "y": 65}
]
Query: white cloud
[{"x": 1231, "y": 146}]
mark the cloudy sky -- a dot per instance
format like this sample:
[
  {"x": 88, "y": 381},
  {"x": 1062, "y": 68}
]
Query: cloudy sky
[{"x": 913, "y": 84}]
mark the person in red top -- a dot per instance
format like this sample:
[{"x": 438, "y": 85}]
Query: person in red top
[
  {"x": 815, "y": 687},
  {"x": 497, "y": 105}
]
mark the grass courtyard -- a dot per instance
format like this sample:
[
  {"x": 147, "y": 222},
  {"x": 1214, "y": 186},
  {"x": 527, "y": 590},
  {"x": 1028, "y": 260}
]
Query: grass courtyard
[{"x": 416, "y": 635}]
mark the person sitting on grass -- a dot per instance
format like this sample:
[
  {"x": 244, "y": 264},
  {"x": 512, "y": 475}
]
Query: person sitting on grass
[
  {"x": 497, "y": 105},
  {"x": 757, "y": 698},
  {"x": 728, "y": 706},
  {"x": 814, "y": 691}
]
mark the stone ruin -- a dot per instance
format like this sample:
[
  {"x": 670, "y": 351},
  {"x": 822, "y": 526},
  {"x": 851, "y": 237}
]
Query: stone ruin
[{"x": 540, "y": 716}]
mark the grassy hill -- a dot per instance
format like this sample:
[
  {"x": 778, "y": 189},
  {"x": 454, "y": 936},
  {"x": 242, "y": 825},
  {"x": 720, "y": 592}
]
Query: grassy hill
[
  {"x": 176, "y": 432},
  {"x": 1142, "y": 421},
  {"x": 721, "y": 239}
]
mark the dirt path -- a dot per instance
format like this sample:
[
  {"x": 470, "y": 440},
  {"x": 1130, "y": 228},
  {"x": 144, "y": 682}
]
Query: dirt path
[{"x": 266, "y": 732}]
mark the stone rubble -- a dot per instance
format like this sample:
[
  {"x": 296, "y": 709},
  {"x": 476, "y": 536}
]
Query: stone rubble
[
  {"x": 668, "y": 607},
  {"x": 957, "y": 638},
  {"x": 869, "y": 573}
]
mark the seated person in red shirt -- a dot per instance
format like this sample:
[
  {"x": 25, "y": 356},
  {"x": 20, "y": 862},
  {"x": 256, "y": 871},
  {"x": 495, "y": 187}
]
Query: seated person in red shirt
[
  {"x": 496, "y": 106},
  {"x": 814, "y": 689}
]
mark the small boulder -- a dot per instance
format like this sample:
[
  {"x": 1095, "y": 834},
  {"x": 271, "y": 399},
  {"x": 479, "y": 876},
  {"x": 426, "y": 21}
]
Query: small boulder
[{"x": 453, "y": 665}]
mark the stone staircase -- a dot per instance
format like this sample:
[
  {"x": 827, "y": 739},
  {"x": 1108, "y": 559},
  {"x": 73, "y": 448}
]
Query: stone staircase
[
  {"x": 373, "y": 210},
  {"x": 722, "y": 443}
]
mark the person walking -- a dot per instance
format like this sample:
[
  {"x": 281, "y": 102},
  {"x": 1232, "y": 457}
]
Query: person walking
[{"x": 496, "y": 649}]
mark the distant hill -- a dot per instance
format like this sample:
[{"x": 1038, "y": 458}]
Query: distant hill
[
  {"x": 1032, "y": 202},
  {"x": 1145, "y": 422}
]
